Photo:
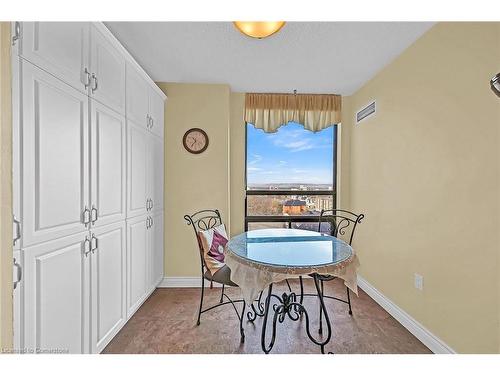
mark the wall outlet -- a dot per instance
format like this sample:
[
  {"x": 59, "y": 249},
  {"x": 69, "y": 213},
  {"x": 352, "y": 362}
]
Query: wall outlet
[{"x": 419, "y": 281}]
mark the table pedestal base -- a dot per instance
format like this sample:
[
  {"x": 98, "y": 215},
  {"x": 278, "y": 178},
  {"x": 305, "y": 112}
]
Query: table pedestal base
[{"x": 288, "y": 306}]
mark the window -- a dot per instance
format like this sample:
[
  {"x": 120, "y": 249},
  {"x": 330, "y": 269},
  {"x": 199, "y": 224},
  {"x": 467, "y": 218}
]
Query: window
[{"x": 290, "y": 176}]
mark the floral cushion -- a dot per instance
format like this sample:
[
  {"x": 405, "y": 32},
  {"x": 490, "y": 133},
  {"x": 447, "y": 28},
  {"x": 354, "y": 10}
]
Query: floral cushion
[{"x": 214, "y": 242}]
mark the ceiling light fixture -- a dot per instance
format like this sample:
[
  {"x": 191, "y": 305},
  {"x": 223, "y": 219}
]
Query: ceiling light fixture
[{"x": 259, "y": 29}]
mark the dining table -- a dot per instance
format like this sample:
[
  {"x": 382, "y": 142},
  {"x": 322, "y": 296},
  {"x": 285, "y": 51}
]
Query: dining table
[{"x": 260, "y": 258}]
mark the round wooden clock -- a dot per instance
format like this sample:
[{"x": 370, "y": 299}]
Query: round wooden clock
[{"x": 195, "y": 140}]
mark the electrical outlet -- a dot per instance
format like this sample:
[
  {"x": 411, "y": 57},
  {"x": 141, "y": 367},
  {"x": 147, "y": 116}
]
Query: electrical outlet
[{"x": 419, "y": 281}]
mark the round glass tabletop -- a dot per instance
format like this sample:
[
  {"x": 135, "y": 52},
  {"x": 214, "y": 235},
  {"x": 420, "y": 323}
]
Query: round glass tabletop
[{"x": 289, "y": 248}]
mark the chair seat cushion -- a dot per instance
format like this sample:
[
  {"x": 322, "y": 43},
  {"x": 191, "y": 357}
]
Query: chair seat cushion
[{"x": 222, "y": 276}]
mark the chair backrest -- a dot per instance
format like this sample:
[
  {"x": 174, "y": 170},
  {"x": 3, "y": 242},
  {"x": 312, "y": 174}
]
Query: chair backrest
[
  {"x": 342, "y": 223},
  {"x": 203, "y": 220}
]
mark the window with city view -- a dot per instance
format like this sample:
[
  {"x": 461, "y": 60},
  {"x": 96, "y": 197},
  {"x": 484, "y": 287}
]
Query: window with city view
[{"x": 290, "y": 176}]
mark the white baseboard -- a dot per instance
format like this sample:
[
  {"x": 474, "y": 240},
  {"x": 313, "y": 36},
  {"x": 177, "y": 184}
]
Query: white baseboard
[
  {"x": 434, "y": 343},
  {"x": 184, "y": 282}
]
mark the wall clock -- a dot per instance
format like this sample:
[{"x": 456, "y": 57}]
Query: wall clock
[{"x": 195, "y": 140}]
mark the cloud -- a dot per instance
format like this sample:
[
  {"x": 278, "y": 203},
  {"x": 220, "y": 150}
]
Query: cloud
[{"x": 256, "y": 159}]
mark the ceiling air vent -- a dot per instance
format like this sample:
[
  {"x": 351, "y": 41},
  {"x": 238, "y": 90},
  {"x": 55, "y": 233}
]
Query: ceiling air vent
[{"x": 367, "y": 111}]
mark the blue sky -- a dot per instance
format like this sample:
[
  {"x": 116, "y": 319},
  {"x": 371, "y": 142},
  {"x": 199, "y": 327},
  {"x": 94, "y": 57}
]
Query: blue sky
[{"x": 291, "y": 155}]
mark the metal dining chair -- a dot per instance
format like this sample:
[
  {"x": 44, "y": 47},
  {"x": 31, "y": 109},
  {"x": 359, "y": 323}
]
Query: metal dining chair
[
  {"x": 200, "y": 221},
  {"x": 341, "y": 224}
]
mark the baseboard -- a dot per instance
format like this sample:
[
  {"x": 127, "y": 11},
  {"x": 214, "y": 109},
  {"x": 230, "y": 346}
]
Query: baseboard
[
  {"x": 434, "y": 343},
  {"x": 184, "y": 282}
]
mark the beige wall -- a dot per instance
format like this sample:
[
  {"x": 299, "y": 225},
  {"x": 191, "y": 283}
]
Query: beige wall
[
  {"x": 193, "y": 182},
  {"x": 237, "y": 162},
  {"x": 425, "y": 172},
  {"x": 6, "y": 335}
]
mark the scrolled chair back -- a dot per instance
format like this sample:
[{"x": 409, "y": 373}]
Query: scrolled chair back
[
  {"x": 341, "y": 223},
  {"x": 203, "y": 220}
]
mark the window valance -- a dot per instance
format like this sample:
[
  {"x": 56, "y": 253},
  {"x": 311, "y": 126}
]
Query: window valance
[{"x": 314, "y": 111}]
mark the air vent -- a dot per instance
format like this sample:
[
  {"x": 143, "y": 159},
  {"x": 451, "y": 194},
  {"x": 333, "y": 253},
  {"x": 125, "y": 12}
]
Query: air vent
[{"x": 369, "y": 110}]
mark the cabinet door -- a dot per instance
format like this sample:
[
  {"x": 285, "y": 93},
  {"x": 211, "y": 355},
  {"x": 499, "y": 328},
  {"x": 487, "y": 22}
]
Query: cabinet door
[
  {"x": 156, "y": 249},
  {"x": 137, "y": 162},
  {"x": 108, "y": 290},
  {"x": 17, "y": 297},
  {"x": 137, "y": 263},
  {"x": 156, "y": 172},
  {"x": 60, "y": 48},
  {"x": 108, "y": 164},
  {"x": 137, "y": 96},
  {"x": 108, "y": 67},
  {"x": 55, "y": 170},
  {"x": 156, "y": 111},
  {"x": 16, "y": 152},
  {"x": 56, "y": 295}
]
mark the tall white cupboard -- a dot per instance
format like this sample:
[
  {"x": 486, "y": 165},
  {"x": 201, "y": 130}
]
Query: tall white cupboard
[{"x": 88, "y": 186}]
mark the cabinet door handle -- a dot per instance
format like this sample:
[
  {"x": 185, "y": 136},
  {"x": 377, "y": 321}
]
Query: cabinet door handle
[
  {"x": 151, "y": 203},
  {"x": 17, "y": 230},
  {"x": 147, "y": 204},
  {"x": 17, "y": 33},
  {"x": 93, "y": 215},
  {"x": 86, "y": 246},
  {"x": 94, "y": 243},
  {"x": 18, "y": 273},
  {"x": 148, "y": 121},
  {"x": 96, "y": 83},
  {"x": 87, "y": 76},
  {"x": 86, "y": 216},
  {"x": 152, "y": 222},
  {"x": 147, "y": 222},
  {"x": 152, "y": 122}
]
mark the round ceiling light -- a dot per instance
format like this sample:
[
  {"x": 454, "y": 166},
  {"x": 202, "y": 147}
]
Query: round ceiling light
[{"x": 259, "y": 29}]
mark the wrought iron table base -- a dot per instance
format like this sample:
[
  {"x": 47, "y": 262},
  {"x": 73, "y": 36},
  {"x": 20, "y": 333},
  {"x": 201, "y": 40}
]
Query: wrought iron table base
[{"x": 288, "y": 306}]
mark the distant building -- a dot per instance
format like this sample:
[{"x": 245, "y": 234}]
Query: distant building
[
  {"x": 294, "y": 207},
  {"x": 324, "y": 203}
]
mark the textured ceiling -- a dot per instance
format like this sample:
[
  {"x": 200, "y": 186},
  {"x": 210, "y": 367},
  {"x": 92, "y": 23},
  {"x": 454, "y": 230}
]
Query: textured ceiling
[{"x": 311, "y": 57}]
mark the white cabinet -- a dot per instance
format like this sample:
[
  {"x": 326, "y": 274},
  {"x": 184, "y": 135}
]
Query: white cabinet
[
  {"x": 145, "y": 171},
  {"x": 137, "y": 161},
  {"x": 155, "y": 173},
  {"x": 108, "y": 289},
  {"x": 138, "y": 261},
  {"x": 16, "y": 154},
  {"x": 156, "y": 112},
  {"x": 145, "y": 258},
  {"x": 55, "y": 170},
  {"x": 56, "y": 295},
  {"x": 60, "y": 48},
  {"x": 137, "y": 97},
  {"x": 17, "y": 297},
  {"x": 74, "y": 291},
  {"x": 156, "y": 249},
  {"x": 88, "y": 186},
  {"x": 145, "y": 106},
  {"x": 108, "y": 72},
  {"x": 108, "y": 165}
]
